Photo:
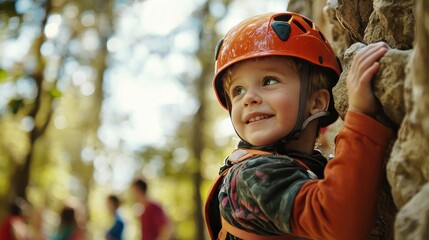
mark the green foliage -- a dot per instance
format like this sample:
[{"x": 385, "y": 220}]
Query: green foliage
[
  {"x": 55, "y": 93},
  {"x": 3, "y": 75}
]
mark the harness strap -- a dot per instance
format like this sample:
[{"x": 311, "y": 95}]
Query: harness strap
[
  {"x": 211, "y": 205},
  {"x": 310, "y": 173},
  {"x": 240, "y": 233},
  {"x": 302, "y": 164}
]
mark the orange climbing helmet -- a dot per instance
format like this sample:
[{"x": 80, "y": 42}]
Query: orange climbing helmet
[{"x": 275, "y": 34}]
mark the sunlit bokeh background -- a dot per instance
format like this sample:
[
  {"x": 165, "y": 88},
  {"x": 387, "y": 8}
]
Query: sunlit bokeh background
[{"x": 96, "y": 93}]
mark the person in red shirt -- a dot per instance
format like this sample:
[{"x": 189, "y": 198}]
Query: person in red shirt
[
  {"x": 14, "y": 227},
  {"x": 155, "y": 224}
]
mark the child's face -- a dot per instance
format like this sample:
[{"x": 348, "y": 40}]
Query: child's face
[{"x": 264, "y": 97}]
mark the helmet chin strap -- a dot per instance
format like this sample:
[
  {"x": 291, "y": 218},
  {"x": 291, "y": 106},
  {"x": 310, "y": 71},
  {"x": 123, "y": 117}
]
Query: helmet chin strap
[
  {"x": 312, "y": 117},
  {"x": 300, "y": 124}
]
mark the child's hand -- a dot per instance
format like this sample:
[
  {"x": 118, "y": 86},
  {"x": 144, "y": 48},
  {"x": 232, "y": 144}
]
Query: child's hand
[{"x": 364, "y": 66}]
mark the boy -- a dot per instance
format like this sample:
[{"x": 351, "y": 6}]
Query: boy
[{"x": 274, "y": 73}]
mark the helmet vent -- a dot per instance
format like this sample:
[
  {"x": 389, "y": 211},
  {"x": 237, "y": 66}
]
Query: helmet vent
[
  {"x": 299, "y": 26},
  {"x": 283, "y": 18},
  {"x": 309, "y": 22}
]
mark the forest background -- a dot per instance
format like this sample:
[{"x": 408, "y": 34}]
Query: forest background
[{"x": 96, "y": 93}]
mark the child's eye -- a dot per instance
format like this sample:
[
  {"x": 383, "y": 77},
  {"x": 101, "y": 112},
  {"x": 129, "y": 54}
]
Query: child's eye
[
  {"x": 237, "y": 91},
  {"x": 270, "y": 81}
]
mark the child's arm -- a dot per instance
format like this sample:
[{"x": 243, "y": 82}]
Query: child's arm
[{"x": 343, "y": 205}]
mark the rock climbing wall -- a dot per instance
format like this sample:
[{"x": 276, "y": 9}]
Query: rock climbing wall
[
  {"x": 402, "y": 86},
  {"x": 408, "y": 167}
]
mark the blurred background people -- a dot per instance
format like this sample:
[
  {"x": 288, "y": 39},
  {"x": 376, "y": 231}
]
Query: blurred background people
[
  {"x": 116, "y": 230},
  {"x": 14, "y": 226},
  {"x": 68, "y": 228},
  {"x": 155, "y": 224}
]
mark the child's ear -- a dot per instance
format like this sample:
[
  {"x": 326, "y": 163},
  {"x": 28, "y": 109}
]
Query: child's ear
[{"x": 319, "y": 101}]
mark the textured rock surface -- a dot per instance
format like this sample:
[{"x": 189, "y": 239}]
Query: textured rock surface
[
  {"x": 354, "y": 16},
  {"x": 412, "y": 220},
  {"x": 340, "y": 37},
  {"x": 408, "y": 168},
  {"x": 391, "y": 22}
]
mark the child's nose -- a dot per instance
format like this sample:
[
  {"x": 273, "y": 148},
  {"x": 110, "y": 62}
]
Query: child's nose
[{"x": 251, "y": 97}]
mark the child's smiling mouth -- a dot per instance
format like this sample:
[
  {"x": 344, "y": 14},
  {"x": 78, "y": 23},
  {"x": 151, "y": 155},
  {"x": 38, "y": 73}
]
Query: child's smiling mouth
[{"x": 257, "y": 117}]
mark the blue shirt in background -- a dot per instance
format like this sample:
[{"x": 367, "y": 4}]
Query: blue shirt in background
[{"x": 115, "y": 232}]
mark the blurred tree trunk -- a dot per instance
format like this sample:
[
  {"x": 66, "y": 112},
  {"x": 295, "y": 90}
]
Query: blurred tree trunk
[
  {"x": 199, "y": 124},
  {"x": 208, "y": 41},
  {"x": 40, "y": 114},
  {"x": 197, "y": 148}
]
